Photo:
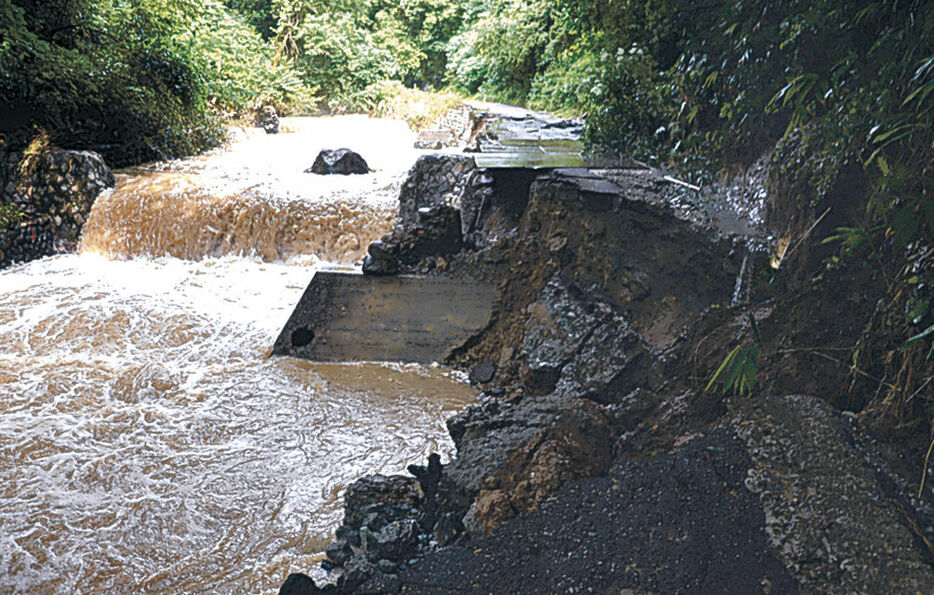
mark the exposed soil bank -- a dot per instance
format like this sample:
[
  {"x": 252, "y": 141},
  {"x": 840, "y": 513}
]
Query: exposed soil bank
[{"x": 621, "y": 292}]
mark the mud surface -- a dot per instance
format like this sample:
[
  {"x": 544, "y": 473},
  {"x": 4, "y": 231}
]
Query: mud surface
[{"x": 680, "y": 523}]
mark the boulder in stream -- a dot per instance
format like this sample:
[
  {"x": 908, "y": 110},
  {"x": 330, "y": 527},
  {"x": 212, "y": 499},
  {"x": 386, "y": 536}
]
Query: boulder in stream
[
  {"x": 269, "y": 120},
  {"x": 338, "y": 161}
]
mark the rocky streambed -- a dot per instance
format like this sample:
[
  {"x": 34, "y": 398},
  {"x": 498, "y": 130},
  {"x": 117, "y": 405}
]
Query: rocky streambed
[{"x": 600, "y": 458}]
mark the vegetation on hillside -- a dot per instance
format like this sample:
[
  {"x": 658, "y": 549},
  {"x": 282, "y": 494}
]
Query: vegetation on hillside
[{"x": 839, "y": 94}]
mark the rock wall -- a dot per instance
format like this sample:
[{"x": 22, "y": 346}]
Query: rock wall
[
  {"x": 54, "y": 192},
  {"x": 453, "y": 128},
  {"x": 436, "y": 179}
]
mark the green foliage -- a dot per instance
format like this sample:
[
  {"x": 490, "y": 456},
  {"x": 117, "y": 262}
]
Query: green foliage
[
  {"x": 737, "y": 372},
  {"x": 238, "y": 64},
  {"x": 852, "y": 240},
  {"x": 416, "y": 33},
  {"x": 499, "y": 54},
  {"x": 419, "y": 109},
  {"x": 258, "y": 14},
  {"x": 834, "y": 83},
  {"x": 341, "y": 59},
  {"x": 106, "y": 75},
  {"x": 634, "y": 110},
  {"x": 9, "y": 216},
  {"x": 343, "y": 49}
]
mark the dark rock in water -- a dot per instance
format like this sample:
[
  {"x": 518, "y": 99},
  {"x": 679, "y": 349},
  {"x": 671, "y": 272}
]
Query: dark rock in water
[
  {"x": 301, "y": 584},
  {"x": 339, "y": 161},
  {"x": 327, "y": 565},
  {"x": 382, "y": 259},
  {"x": 269, "y": 120},
  {"x": 375, "y": 493},
  {"x": 482, "y": 373},
  {"x": 380, "y": 515},
  {"x": 380, "y": 522}
]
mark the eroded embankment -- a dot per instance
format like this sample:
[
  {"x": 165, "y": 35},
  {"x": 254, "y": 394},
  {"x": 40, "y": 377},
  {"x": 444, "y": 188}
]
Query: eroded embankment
[{"x": 620, "y": 293}]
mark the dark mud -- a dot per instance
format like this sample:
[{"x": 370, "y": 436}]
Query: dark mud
[{"x": 679, "y": 523}]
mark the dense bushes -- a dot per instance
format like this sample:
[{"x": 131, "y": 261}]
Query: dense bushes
[
  {"x": 240, "y": 72},
  {"x": 343, "y": 48},
  {"x": 102, "y": 76},
  {"x": 667, "y": 81},
  {"x": 135, "y": 80}
]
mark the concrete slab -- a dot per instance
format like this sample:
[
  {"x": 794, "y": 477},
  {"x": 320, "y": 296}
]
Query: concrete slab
[{"x": 348, "y": 316}]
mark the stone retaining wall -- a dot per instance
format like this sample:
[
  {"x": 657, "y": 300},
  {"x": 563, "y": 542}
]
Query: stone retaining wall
[{"x": 54, "y": 194}]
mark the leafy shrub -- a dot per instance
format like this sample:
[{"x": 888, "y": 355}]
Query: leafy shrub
[
  {"x": 419, "y": 109},
  {"x": 497, "y": 56},
  {"x": 341, "y": 59},
  {"x": 108, "y": 76},
  {"x": 633, "y": 112},
  {"x": 238, "y": 65}
]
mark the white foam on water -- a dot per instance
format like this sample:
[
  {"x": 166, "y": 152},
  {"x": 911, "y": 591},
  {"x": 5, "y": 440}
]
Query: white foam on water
[{"x": 147, "y": 443}]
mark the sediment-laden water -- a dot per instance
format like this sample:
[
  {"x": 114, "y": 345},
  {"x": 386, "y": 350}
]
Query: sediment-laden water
[{"x": 147, "y": 442}]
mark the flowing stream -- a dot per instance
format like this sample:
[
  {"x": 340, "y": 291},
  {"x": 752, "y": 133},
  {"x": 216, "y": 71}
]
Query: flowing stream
[{"x": 147, "y": 442}]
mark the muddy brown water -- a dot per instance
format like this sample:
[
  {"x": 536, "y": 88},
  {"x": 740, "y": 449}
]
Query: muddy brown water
[{"x": 147, "y": 442}]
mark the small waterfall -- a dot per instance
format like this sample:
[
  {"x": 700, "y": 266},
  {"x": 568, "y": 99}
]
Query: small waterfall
[
  {"x": 254, "y": 198},
  {"x": 164, "y": 215},
  {"x": 741, "y": 289},
  {"x": 147, "y": 444}
]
